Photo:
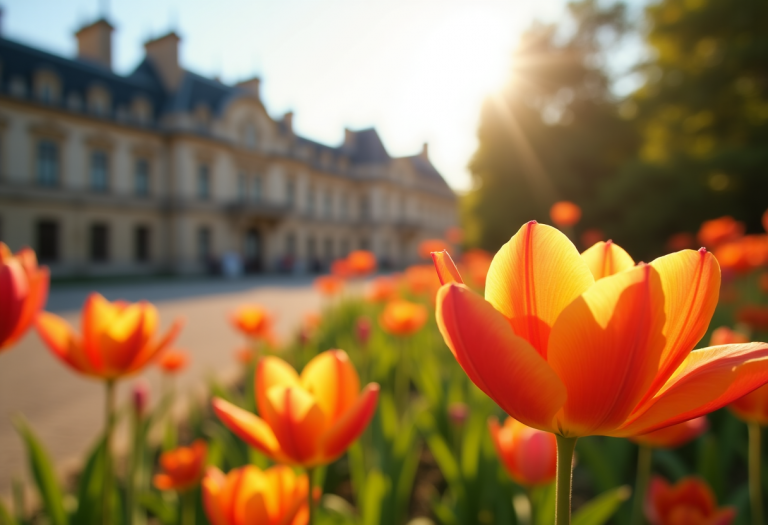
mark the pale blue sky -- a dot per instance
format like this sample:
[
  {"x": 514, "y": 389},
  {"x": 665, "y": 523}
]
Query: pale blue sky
[{"x": 417, "y": 70}]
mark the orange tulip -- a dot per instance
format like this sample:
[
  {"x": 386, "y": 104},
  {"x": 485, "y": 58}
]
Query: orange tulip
[
  {"x": 529, "y": 455},
  {"x": 23, "y": 291},
  {"x": 329, "y": 285},
  {"x": 477, "y": 262},
  {"x": 428, "y": 246},
  {"x": 717, "y": 231},
  {"x": 591, "y": 236},
  {"x": 421, "y": 280},
  {"x": 247, "y": 495},
  {"x": 743, "y": 255},
  {"x": 681, "y": 241},
  {"x": 173, "y": 361},
  {"x": 674, "y": 436},
  {"x": 382, "y": 289},
  {"x": 565, "y": 214},
  {"x": 308, "y": 420},
  {"x": 182, "y": 467},
  {"x": 118, "y": 339},
  {"x": 726, "y": 336},
  {"x": 361, "y": 262},
  {"x": 600, "y": 354},
  {"x": 403, "y": 318},
  {"x": 340, "y": 268},
  {"x": 689, "y": 502},
  {"x": 253, "y": 321}
]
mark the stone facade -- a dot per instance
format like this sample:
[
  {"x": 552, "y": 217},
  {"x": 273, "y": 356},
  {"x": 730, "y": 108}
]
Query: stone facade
[{"x": 164, "y": 170}]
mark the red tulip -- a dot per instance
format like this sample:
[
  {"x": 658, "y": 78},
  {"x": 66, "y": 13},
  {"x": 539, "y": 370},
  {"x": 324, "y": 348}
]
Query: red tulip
[
  {"x": 182, "y": 467},
  {"x": 23, "y": 291},
  {"x": 173, "y": 361},
  {"x": 403, "y": 318},
  {"x": 529, "y": 455},
  {"x": 689, "y": 502},
  {"x": 717, "y": 231},
  {"x": 565, "y": 214}
]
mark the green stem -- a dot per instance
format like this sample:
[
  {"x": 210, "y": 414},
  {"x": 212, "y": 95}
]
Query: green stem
[
  {"x": 644, "y": 460},
  {"x": 565, "y": 448},
  {"x": 109, "y": 418},
  {"x": 188, "y": 507},
  {"x": 755, "y": 463},
  {"x": 402, "y": 379},
  {"x": 310, "y": 499}
]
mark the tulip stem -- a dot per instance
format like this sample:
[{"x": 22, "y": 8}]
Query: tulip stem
[
  {"x": 755, "y": 463},
  {"x": 109, "y": 417},
  {"x": 565, "y": 448},
  {"x": 402, "y": 379},
  {"x": 188, "y": 507},
  {"x": 644, "y": 460},
  {"x": 310, "y": 499}
]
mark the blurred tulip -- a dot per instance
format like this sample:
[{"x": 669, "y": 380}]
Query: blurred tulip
[
  {"x": 421, "y": 280},
  {"x": 477, "y": 263},
  {"x": 454, "y": 235},
  {"x": 675, "y": 435},
  {"x": 244, "y": 355},
  {"x": 312, "y": 321},
  {"x": 361, "y": 262},
  {"x": 726, "y": 336},
  {"x": 753, "y": 407},
  {"x": 743, "y": 255},
  {"x": 681, "y": 241},
  {"x": 591, "y": 237},
  {"x": 308, "y": 419},
  {"x": 403, "y": 318},
  {"x": 363, "y": 330},
  {"x": 173, "y": 361},
  {"x": 717, "y": 231},
  {"x": 458, "y": 413},
  {"x": 340, "y": 268},
  {"x": 118, "y": 339},
  {"x": 529, "y": 455},
  {"x": 248, "y": 495},
  {"x": 23, "y": 292},
  {"x": 754, "y": 316},
  {"x": 382, "y": 289},
  {"x": 329, "y": 285},
  {"x": 565, "y": 214},
  {"x": 428, "y": 246},
  {"x": 689, "y": 502},
  {"x": 182, "y": 468},
  {"x": 613, "y": 355},
  {"x": 254, "y": 321},
  {"x": 140, "y": 397}
]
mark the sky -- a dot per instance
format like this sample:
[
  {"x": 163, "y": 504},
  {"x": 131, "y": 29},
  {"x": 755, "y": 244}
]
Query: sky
[{"x": 416, "y": 70}]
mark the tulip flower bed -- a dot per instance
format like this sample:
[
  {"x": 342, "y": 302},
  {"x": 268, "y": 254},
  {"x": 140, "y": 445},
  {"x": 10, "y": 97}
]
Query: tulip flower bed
[{"x": 386, "y": 407}]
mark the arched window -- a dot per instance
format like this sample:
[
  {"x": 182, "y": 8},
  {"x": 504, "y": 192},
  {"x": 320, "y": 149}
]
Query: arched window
[{"x": 99, "y": 102}]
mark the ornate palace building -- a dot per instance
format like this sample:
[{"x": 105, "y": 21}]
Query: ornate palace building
[{"x": 164, "y": 170}]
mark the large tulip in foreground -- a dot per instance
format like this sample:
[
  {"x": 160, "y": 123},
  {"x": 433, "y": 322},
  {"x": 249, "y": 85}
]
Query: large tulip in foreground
[
  {"x": 592, "y": 344},
  {"x": 306, "y": 420}
]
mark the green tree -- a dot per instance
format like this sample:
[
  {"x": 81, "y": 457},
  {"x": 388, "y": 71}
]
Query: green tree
[{"x": 553, "y": 132}]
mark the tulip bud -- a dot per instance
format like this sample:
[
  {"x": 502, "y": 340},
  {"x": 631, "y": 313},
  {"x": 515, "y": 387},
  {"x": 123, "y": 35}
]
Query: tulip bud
[
  {"x": 140, "y": 397},
  {"x": 363, "y": 330},
  {"x": 458, "y": 413}
]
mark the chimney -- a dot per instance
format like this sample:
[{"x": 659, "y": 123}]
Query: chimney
[
  {"x": 288, "y": 122},
  {"x": 425, "y": 151},
  {"x": 252, "y": 86},
  {"x": 349, "y": 139},
  {"x": 94, "y": 43},
  {"x": 163, "y": 52}
]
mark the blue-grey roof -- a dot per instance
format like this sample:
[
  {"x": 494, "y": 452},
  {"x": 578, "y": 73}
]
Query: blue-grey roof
[{"x": 366, "y": 148}]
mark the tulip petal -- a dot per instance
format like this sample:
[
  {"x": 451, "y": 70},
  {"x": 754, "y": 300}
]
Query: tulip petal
[
  {"x": 691, "y": 283},
  {"x": 213, "y": 487},
  {"x": 256, "y": 510},
  {"x": 13, "y": 291},
  {"x": 241, "y": 485},
  {"x": 350, "y": 425},
  {"x": 272, "y": 371},
  {"x": 284, "y": 493},
  {"x": 297, "y": 421},
  {"x": 605, "y": 347},
  {"x": 707, "y": 380},
  {"x": 533, "y": 278},
  {"x": 248, "y": 427},
  {"x": 504, "y": 366},
  {"x": 64, "y": 343},
  {"x": 333, "y": 381},
  {"x": 153, "y": 350},
  {"x": 606, "y": 258},
  {"x": 446, "y": 269}
]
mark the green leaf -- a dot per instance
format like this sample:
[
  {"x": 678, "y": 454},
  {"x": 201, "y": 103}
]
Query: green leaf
[
  {"x": 543, "y": 504},
  {"x": 43, "y": 472},
  {"x": 89, "y": 491},
  {"x": 158, "y": 507},
  {"x": 600, "y": 509},
  {"x": 376, "y": 489}
]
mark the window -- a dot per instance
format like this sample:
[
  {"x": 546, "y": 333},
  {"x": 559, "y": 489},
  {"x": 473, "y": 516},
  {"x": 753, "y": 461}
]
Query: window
[
  {"x": 249, "y": 136},
  {"x": 364, "y": 208},
  {"x": 204, "y": 244},
  {"x": 46, "y": 93},
  {"x": 99, "y": 242},
  {"x": 48, "y": 241},
  {"x": 99, "y": 178},
  {"x": 344, "y": 248},
  {"x": 141, "y": 243},
  {"x": 310, "y": 201},
  {"x": 290, "y": 244},
  {"x": 343, "y": 207},
  {"x": 256, "y": 189},
  {"x": 98, "y": 101},
  {"x": 328, "y": 204},
  {"x": 47, "y": 163},
  {"x": 203, "y": 182},
  {"x": 365, "y": 244},
  {"x": 328, "y": 249},
  {"x": 142, "y": 110},
  {"x": 141, "y": 182},
  {"x": 241, "y": 186},
  {"x": 290, "y": 193}
]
